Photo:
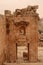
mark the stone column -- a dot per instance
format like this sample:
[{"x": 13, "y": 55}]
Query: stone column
[
  {"x": 33, "y": 46},
  {"x": 7, "y": 50},
  {"x": 11, "y": 45}
]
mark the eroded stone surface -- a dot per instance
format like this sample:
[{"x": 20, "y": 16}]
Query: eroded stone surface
[{"x": 20, "y": 28}]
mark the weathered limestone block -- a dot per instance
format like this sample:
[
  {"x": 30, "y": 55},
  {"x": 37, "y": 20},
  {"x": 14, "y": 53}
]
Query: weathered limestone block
[
  {"x": 7, "y": 12},
  {"x": 26, "y": 11}
]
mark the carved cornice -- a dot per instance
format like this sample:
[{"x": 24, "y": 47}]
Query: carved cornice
[{"x": 30, "y": 10}]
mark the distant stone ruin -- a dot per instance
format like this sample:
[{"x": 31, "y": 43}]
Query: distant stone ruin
[{"x": 19, "y": 28}]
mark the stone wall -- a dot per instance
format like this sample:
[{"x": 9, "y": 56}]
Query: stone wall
[{"x": 10, "y": 35}]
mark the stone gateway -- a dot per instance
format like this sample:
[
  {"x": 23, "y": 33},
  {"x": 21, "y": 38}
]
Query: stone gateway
[{"x": 19, "y": 28}]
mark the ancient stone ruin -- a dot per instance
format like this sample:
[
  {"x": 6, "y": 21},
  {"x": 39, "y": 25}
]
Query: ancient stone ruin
[{"x": 19, "y": 28}]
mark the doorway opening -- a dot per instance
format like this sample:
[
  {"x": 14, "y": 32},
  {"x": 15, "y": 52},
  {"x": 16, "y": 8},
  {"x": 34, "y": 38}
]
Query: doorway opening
[{"x": 22, "y": 53}]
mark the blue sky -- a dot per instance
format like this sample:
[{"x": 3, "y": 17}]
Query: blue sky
[{"x": 14, "y": 4}]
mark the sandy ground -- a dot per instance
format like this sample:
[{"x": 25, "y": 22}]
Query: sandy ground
[
  {"x": 40, "y": 53},
  {"x": 21, "y": 62}
]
